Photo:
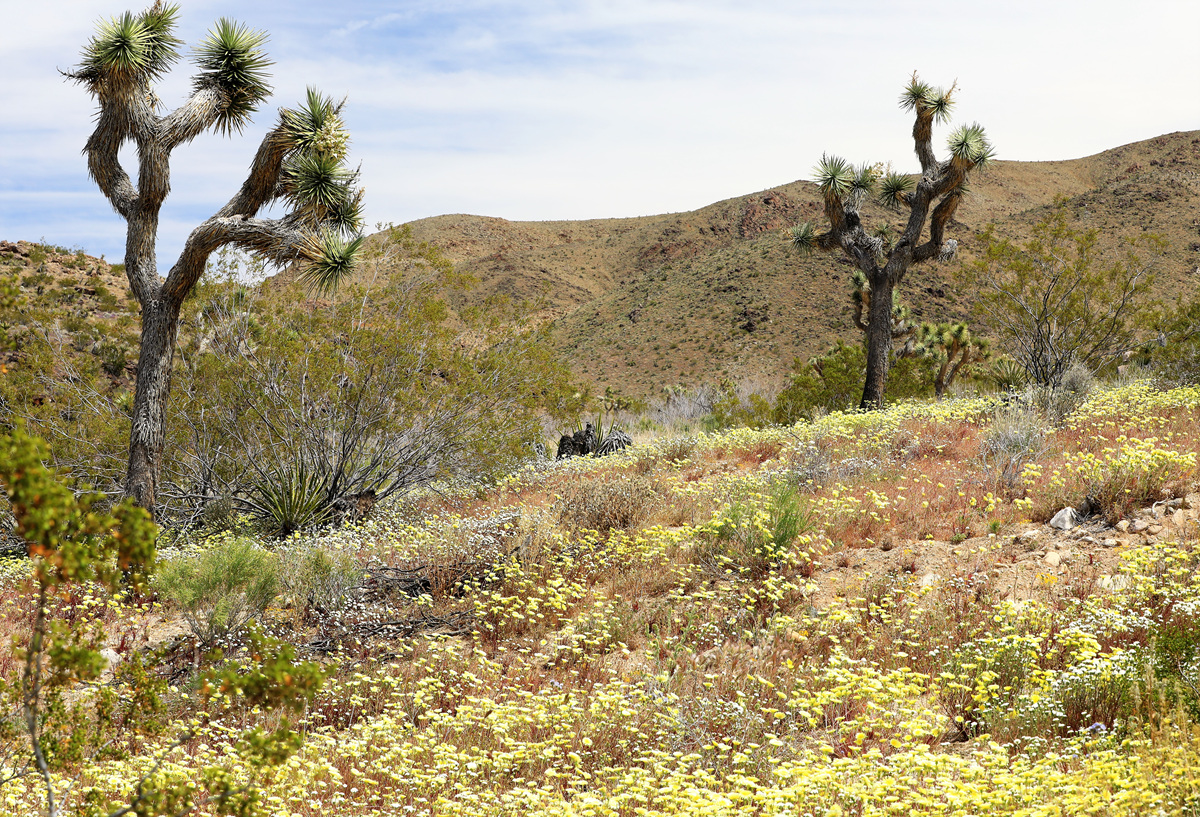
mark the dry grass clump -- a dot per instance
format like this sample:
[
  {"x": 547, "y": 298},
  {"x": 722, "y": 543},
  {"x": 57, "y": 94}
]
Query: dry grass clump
[{"x": 607, "y": 501}]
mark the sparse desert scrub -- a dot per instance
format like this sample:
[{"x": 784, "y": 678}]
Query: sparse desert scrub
[{"x": 706, "y": 666}]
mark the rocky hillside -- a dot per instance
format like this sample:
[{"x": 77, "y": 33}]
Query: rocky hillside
[
  {"x": 691, "y": 298},
  {"x": 685, "y": 298}
]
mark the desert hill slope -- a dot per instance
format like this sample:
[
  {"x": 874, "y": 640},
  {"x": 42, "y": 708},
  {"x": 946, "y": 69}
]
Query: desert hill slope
[{"x": 685, "y": 298}]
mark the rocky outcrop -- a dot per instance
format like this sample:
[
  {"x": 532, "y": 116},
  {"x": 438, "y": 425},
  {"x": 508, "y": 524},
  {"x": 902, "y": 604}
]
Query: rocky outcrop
[
  {"x": 584, "y": 441},
  {"x": 581, "y": 442}
]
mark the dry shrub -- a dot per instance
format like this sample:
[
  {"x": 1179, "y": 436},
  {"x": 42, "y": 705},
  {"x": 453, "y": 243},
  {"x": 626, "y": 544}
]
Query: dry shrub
[
  {"x": 759, "y": 452},
  {"x": 608, "y": 501},
  {"x": 1016, "y": 436}
]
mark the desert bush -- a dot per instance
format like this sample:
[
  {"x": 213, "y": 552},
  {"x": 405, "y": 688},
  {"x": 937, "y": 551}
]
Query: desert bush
[
  {"x": 738, "y": 405},
  {"x": 1053, "y": 302},
  {"x": 757, "y": 533},
  {"x": 834, "y": 382},
  {"x": 1016, "y": 436},
  {"x": 608, "y": 501},
  {"x": 318, "y": 582},
  {"x": 1136, "y": 473},
  {"x": 1100, "y": 694},
  {"x": 222, "y": 590},
  {"x": 113, "y": 358}
]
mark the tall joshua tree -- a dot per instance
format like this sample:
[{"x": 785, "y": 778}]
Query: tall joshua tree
[
  {"x": 300, "y": 163},
  {"x": 933, "y": 198}
]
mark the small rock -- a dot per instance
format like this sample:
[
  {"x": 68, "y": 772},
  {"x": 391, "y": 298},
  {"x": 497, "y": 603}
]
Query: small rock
[
  {"x": 1154, "y": 530},
  {"x": 1110, "y": 543},
  {"x": 111, "y": 656},
  {"x": 1123, "y": 526},
  {"x": 1091, "y": 540},
  {"x": 1113, "y": 582},
  {"x": 1138, "y": 526},
  {"x": 1179, "y": 519},
  {"x": 929, "y": 580},
  {"x": 1065, "y": 519},
  {"x": 1175, "y": 504},
  {"x": 1053, "y": 559}
]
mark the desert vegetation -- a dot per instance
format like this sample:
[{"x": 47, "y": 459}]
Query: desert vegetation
[
  {"x": 864, "y": 613},
  {"x": 341, "y": 572}
]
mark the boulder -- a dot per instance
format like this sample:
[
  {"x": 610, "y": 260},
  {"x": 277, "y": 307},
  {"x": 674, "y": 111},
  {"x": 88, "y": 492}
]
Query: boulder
[{"x": 581, "y": 442}]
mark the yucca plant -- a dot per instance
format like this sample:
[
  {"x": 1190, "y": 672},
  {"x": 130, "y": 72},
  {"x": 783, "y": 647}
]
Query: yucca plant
[
  {"x": 882, "y": 258},
  {"x": 300, "y": 163},
  {"x": 287, "y": 499}
]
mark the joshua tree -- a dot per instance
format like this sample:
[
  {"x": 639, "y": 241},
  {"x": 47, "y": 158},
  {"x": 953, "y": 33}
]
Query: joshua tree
[
  {"x": 952, "y": 348},
  {"x": 901, "y": 319},
  {"x": 300, "y": 162},
  {"x": 883, "y": 261}
]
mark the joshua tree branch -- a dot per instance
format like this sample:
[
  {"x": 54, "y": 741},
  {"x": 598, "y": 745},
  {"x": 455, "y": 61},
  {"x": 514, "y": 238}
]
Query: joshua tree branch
[{"x": 191, "y": 118}]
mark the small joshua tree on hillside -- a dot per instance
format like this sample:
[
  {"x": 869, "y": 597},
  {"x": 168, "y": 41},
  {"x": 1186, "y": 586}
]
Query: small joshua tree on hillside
[
  {"x": 953, "y": 350},
  {"x": 299, "y": 162},
  {"x": 882, "y": 258}
]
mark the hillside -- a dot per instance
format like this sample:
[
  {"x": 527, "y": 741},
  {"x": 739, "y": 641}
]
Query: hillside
[
  {"x": 691, "y": 298},
  {"x": 685, "y": 298}
]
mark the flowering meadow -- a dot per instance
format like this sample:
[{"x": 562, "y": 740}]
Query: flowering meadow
[{"x": 866, "y": 614}]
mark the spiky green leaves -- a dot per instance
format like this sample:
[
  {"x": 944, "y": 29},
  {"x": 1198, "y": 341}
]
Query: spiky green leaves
[
  {"x": 317, "y": 127},
  {"x": 927, "y": 100},
  {"x": 231, "y": 60},
  {"x": 129, "y": 51},
  {"x": 894, "y": 189},
  {"x": 969, "y": 146},
  {"x": 834, "y": 177},
  {"x": 316, "y": 181},
  {"x": 328, "y": 259},
  {"x": 803, "y": 238}
]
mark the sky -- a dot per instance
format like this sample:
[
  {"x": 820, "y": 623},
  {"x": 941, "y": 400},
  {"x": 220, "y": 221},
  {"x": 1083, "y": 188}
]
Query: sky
[{"x": 573, "y": 109}]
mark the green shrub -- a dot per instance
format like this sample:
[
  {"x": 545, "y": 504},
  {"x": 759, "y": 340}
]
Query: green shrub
[
  {"x": 113, "y": 358},
  {"x": 757, "y": 534},
  {"x": 834, "y": 382},
  {"x": 222, "y": 590},
  {"x": 317, "y": 582}
]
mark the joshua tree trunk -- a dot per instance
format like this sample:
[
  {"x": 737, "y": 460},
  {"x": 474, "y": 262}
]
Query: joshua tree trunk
[
  {"x": 879, "y": 342},
  {"x": 160, "y": 322},
  {"x": 300, "y": 161}
]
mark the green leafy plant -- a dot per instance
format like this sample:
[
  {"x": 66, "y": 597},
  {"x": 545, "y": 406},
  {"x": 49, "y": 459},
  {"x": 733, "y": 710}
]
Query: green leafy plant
[
  {"x": 1054, "y": 302},
  {"x": 222, "y": 590},
  {"x": 73, "y": 546},
  {"x": 758, "y": 533},
  {"x": 289, "y": 499}
]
